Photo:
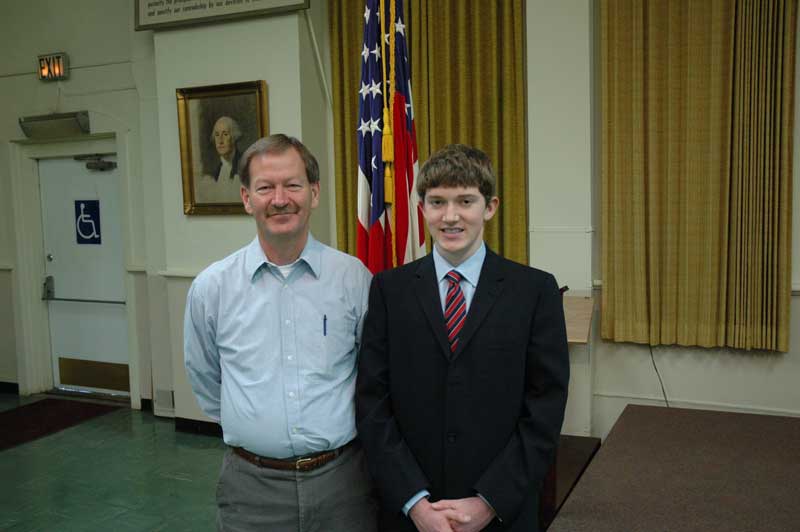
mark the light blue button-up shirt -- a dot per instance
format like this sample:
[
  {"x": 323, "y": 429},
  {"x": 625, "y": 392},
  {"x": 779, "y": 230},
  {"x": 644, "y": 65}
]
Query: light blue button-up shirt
[{"x": 273, "y": 359}]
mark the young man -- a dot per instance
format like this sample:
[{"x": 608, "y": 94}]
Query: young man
[
  {"x": 463, "y": 369},
  {"x": 270, "y": 339}
]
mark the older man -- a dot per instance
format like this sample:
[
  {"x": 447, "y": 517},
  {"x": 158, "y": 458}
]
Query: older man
[
  {"x": 225, "y": 135},
  {"x": 271, "y": 336}
]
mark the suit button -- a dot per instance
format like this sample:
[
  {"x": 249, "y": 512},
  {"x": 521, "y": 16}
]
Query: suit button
[
  {"x": 454, "y": 380},
  {"x": 451, "y": 437}
]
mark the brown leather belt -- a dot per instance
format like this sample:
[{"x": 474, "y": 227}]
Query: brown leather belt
[{"x": 303, "y": 463}]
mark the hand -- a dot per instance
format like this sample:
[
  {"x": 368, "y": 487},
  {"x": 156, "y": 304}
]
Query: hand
[
  {"x": 474, "y": 507},
  {"x": 427, "y": 519}
]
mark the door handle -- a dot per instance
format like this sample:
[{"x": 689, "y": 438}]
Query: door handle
[{"x": 48, "y": 288}]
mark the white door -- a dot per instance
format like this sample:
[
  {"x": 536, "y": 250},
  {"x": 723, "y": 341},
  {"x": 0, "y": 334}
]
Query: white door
[{"x": 83, "y": 252}]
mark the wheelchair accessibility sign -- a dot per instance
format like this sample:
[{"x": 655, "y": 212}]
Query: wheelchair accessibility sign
[{"x": 87, "y": 221}]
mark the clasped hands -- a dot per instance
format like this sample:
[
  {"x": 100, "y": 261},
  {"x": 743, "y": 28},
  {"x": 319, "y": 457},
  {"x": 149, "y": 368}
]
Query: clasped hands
[{"x": 451, "y": 515}]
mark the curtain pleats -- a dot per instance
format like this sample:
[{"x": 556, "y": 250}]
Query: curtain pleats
[
  {"x": 696, "y": 171},
  {"x": 346, "y": 30},
  {"x": 468, "y": 70}
]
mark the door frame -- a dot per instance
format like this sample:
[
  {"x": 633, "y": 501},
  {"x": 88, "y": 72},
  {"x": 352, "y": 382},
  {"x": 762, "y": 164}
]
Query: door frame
[{"x": 31, "y": 317}]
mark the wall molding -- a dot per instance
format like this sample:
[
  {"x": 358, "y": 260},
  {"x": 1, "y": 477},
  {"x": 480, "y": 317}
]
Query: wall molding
[
  {"x": 178, "y": 273},
  {"x": 561, "y": 229},
  {"x": 710, "y": 405}
]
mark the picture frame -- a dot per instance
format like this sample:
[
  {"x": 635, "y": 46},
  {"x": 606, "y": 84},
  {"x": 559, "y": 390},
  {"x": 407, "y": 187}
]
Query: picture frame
[{"x": 216, "y": 123}]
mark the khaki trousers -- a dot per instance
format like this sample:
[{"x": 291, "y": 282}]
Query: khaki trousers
[{"x": 337, "y": 497}]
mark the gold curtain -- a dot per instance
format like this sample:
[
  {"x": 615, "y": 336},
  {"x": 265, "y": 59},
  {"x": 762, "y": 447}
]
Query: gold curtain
[
  {"x": 346, "y": 30},
  {"x": 696, "y": 171},
  {"x": 467, "y": 75}
]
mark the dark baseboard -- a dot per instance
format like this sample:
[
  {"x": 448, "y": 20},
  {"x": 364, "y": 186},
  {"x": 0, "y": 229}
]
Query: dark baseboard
[
  {"x": 193, "y": 426},
  {"x": 9, "y": 387},
  {"x": 147, "y": 405}
]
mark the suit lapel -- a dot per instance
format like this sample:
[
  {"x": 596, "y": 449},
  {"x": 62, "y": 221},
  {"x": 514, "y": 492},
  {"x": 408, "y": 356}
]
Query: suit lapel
[
  {"x": 490, "y": 285},
  {"x": 427, "y": 291}
]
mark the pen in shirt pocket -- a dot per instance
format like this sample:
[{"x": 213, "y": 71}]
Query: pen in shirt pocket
[{"x": 324, "y": 325}]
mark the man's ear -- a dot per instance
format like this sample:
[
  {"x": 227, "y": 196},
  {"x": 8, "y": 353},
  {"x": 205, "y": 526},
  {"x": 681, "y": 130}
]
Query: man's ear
[
  {"x": 491, "y": 208},
  {"x": 246, "y": 199},
  {"x": 314, "y": 195}
]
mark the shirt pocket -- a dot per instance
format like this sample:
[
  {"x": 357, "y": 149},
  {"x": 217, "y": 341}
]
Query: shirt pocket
[
  {"x": 327, "y": 342},
  {"x": 339, "y": 339}
]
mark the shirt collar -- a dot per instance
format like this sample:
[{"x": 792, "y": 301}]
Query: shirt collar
[
  {"x": 311, "y": 255},
  {"x": 470, "y": 269}
]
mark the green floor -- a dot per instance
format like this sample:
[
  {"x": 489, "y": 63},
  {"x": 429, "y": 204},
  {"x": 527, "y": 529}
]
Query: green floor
[{"x": 124, "y": 471}]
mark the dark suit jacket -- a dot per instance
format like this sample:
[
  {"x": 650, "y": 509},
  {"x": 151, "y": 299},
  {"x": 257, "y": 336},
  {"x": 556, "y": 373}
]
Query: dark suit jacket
[{"x": 484, "y": 419}]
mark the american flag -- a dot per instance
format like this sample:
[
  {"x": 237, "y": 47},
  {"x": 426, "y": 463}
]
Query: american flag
[{"x": 374, "y": 244}]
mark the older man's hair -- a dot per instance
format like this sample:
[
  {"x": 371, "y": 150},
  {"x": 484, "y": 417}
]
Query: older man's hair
[
  {"x": 233, "y": 126},
  {"x": 458, "y": 165},
  {"x": 277, "y": 144}
]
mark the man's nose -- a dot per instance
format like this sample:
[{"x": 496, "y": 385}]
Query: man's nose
[
  {"x": 450, "y": 213},
  {"x": 280, "y": 198}
]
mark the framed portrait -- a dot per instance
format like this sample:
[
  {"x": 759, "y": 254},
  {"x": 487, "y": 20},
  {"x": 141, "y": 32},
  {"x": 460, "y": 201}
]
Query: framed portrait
[{"x": 216, "y": 124}]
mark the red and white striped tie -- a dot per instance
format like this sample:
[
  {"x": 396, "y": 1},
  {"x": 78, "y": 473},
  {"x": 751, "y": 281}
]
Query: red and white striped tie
[{"x": 455, "y": 308}]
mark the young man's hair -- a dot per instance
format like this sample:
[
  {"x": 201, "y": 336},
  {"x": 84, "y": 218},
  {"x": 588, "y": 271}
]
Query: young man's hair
[
  {"x": 277, "y": 144},
  {"x": 458, "y": 165}
]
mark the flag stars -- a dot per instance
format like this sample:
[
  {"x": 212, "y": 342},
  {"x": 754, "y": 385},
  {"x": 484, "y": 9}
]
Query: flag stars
[
  {"x": 373, "y": 126},
  {"x": 366, "y": 14},
  {"x": 364, "y": 127},
  {"x": 365, "y": 53},
  {"x": 376, "y": 52},
  {"x": 399, "y": 27},
  {"x": 364, "y": 90},
  {"x": 375, "y": 88},
  {"x": 374, "y": 166}
]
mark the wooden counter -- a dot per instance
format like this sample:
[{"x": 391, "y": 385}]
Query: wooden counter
[{"x": 578, "y": 314}]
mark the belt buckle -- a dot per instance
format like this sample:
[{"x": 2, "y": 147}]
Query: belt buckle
[{"x": 299, "y": 464}]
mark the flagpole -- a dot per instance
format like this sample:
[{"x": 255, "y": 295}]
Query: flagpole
[
  {"x": 393, "y": 9},
  {"x": 387, "y": 146}
]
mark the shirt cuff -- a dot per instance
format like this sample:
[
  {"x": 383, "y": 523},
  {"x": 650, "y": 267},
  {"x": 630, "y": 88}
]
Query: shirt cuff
[
  {"x": 490, "y": 506},
  {"x": 415, "y": 499}
]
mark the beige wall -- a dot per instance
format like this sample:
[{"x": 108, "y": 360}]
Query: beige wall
[{"x": 101, "y": 82}]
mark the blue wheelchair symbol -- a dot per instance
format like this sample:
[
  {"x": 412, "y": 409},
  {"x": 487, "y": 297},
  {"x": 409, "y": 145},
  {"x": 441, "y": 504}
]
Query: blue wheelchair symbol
[{"x": 87, "y": 221}]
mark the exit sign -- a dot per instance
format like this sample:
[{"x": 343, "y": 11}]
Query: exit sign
[{"x": 53, "y": 67}]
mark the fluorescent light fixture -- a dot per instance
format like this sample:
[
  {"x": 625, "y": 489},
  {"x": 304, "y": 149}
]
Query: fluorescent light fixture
[{"x": 56, "y": 125}]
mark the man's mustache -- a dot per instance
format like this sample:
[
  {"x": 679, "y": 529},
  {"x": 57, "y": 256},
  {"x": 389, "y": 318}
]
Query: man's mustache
[{"x": 276, "y": 212}]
